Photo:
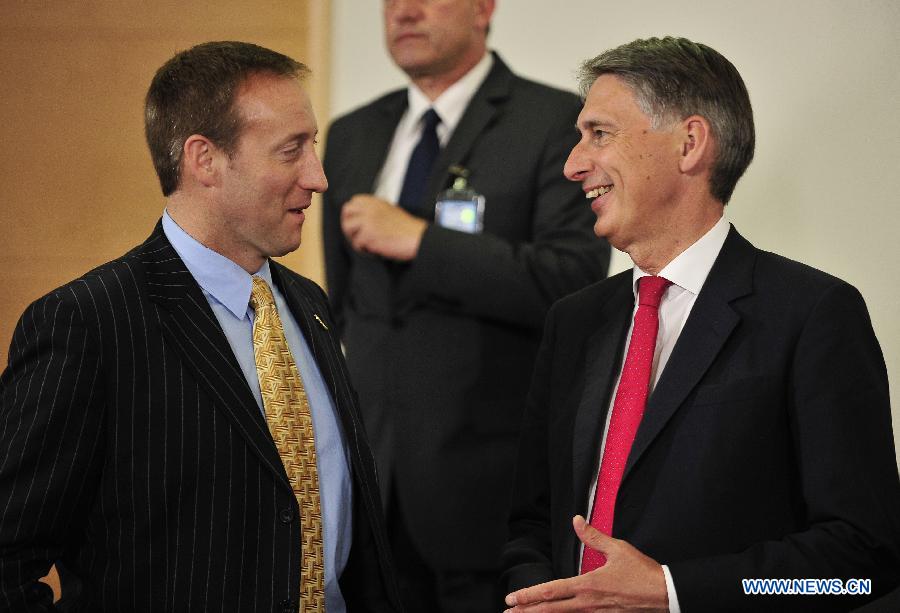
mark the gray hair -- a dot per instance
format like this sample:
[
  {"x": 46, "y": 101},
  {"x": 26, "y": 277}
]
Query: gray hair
[{"x": 674, "y": 78}]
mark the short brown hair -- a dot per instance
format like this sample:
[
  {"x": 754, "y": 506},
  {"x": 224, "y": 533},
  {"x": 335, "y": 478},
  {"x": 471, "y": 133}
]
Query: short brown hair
[
  {"x": 194, "y": 93},
  {"x": 674, "y": 78}
]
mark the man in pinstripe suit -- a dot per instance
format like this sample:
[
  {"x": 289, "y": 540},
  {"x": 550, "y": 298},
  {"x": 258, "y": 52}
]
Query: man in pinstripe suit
[{"x": 134, "y": 452}]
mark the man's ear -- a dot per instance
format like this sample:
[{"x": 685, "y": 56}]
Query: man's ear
[
  {"x": 198, "y": 159},
  {"x": 697, "y": 145},
  {"x": 484, "y": 10}
]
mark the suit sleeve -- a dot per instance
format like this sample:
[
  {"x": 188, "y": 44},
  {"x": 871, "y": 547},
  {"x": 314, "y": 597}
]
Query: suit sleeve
[
  {"x": 489, "y": 276},
  {"x": 49, "y": 436},
  {"x": 840, "y": 420},
  {"x": 527, "y": 556}
]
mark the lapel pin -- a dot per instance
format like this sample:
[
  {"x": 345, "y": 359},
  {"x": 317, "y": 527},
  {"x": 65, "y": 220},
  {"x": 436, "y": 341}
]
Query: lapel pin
[{"x": 319, "y": 319}]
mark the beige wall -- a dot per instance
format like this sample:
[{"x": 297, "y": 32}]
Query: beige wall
[
  {"x": 822, "y": 76},
  {"x": 78, "y": 187}
]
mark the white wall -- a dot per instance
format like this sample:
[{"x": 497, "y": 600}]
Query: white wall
[{"x": 824, "y": 79}]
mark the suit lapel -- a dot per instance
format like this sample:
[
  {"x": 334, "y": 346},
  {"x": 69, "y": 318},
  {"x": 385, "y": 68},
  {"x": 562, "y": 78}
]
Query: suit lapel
[
  {"x": 312, "y": 323},
  {"x": 708, "y": 327},
  {"x": 367, "y": 161},
  {"x": 316, "y": 327},
  {"x": 312, "y": 317},
  {"x": 480, "y": 113},
  {"x": 603, "y": 356},
  {"x": 483, "y": 109},
  {"x": 378, "y": 142},
  {"x": 191, "y": 328}
]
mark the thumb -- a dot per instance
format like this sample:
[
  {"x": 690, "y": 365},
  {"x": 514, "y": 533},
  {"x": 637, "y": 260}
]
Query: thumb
[{"x": 590, "y": 536}]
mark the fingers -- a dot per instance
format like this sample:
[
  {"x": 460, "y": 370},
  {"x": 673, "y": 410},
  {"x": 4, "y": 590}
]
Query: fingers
[
  {"x": 591, "y": 537},
  {"x": 351, "y": 225},
  {"x": 365, "y": 204},
  {"x": 571, "y": 605},
  {"x": 375, "y": 226},
  {"x": 561, "y": 589},
  {"x": 355, "y": 216},
  {"x": 634, "y": 581}
]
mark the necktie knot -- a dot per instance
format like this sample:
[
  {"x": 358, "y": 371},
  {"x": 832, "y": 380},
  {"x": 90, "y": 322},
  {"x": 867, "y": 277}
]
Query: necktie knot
[
  {"x": 430, "y": 121},
  {"x": 261, "y": 294},
  {"x": 650, "y": 290}
]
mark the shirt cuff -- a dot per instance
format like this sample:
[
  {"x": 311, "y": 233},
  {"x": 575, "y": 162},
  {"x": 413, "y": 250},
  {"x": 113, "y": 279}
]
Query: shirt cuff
[{"x": 670, "y": 590}]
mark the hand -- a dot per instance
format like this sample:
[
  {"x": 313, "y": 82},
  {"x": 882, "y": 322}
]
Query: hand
[
  {"x": 628, "y": 581},
  {"x": 375, "y": 226}
]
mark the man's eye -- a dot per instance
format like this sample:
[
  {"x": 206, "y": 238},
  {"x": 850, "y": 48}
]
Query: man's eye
[{"x": 600, "y": 134}]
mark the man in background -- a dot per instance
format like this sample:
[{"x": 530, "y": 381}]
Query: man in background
[
  {"x": 440, "y": 306},
  {"x": 177, "y": 431},
  {"x": 719, "y": 413}
]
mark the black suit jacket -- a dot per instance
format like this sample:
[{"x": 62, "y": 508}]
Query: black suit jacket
[
  {"x": 765, "y": 450},
  {"x": 133, "y": 453},
  {"x": 441, "y": 350}
]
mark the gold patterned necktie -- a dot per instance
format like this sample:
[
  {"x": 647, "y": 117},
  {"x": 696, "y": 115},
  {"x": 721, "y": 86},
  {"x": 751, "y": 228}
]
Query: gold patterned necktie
[{"x": 290, "y": 421}]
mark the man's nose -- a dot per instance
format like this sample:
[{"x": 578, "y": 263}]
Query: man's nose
[
  {"x": 577, "y": 164},
  {"x": 404, "y": 10},
  {"x": 313, "y": 176}
]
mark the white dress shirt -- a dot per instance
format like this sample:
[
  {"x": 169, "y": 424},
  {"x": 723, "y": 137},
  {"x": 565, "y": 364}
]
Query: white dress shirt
[
  {"x": 450, "y": 106},
  {"x": 687, "y": 272}
]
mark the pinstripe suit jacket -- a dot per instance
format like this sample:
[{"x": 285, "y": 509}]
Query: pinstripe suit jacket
[{"x": 133, "y": 454}]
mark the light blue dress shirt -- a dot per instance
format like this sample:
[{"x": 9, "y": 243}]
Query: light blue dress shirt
[{"x": 226, "y": 287}]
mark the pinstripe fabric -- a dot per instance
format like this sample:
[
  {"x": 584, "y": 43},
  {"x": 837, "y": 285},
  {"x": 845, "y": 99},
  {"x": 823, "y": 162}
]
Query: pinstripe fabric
[{"x": 133, "y": 453}]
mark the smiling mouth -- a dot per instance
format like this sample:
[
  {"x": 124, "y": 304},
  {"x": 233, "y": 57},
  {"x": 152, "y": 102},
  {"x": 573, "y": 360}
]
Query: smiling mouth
[{"x": 598, "y": 191}]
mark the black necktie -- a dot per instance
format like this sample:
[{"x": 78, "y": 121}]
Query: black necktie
[{"x": 420, "y": 163}]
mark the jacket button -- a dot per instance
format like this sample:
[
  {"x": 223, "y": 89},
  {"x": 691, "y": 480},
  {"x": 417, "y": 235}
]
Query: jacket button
[{"x": 287, "y": 516}]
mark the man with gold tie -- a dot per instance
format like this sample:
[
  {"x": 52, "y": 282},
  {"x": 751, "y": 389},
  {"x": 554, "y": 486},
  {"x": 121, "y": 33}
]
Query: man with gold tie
[{"x": 177, "y": 427}]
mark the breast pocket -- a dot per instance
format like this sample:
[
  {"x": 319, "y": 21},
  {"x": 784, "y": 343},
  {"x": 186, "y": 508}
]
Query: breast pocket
[{"x": 739, "y": 391}]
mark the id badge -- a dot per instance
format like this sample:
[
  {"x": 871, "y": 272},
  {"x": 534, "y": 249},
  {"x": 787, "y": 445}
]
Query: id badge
[{"x": 460, "y": 208}]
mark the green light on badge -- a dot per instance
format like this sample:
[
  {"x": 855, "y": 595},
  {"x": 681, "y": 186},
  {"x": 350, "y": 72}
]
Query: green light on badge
[{"x": 467, "y": 216}]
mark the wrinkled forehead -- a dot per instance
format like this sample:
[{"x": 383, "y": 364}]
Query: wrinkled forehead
[
  {"x": 611, "y": 87},
  {"x": 610, "y": 97}
]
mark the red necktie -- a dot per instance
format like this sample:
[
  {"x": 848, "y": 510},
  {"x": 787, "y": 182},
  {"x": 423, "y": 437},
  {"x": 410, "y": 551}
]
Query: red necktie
[{"x": 628, "y": 409}]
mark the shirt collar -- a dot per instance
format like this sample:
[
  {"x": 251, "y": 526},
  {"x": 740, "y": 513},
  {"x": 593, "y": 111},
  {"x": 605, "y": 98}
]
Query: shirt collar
[
  {"x": 691, "y": 267},
  {"x": 451, "y": 104},
  {"x": 225, "y": 281}
]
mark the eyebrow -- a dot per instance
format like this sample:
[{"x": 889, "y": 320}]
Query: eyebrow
[
  {"x": 298, "y": 137},
  {"x": 593, "y": 123}
]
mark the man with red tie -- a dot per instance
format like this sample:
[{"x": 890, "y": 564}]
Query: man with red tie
[{"x": 719, "y": 413}]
